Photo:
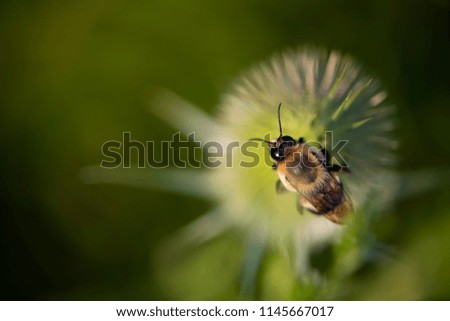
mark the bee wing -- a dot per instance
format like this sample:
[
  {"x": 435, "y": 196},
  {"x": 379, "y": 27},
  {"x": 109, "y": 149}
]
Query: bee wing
[
  {"x": 319, "y": 192},
  {"x": 336, "y": 215},
  {"x": 304, "y": 203}
]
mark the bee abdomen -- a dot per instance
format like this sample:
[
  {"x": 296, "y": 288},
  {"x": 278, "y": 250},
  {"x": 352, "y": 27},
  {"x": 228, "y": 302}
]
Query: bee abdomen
[{"x": 329, "y": 200}]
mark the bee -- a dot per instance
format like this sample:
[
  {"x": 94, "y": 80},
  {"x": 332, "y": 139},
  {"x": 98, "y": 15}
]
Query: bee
[{"x": 307, "y": 171}]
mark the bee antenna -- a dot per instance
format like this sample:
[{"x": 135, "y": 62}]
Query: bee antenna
[{"x": 279, "y": 120}]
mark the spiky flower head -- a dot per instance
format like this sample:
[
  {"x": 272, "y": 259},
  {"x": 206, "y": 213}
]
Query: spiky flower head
[{"x": 321, "y": 91}]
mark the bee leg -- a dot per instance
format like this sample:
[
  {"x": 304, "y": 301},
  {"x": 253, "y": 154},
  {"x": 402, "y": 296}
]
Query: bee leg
[
  {"x": 333, "y": 168},
  {"x": 327, "y": 156},
  {"x": 279, "y": 187},
  {"x": 301, "y": 140},
  {"x": 300, "y": 208},
  {"x": 274, "y": 166}
]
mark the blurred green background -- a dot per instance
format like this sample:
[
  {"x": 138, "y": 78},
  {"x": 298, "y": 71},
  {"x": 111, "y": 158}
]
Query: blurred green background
[{"x": 74, "y": 74}]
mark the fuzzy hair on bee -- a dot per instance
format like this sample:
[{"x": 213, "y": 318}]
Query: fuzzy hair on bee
[{"x": 307, "y": 171}]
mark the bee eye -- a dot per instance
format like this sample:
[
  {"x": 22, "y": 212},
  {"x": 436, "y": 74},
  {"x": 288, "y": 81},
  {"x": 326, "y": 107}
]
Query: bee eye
[{"x": 277, "y": 153}]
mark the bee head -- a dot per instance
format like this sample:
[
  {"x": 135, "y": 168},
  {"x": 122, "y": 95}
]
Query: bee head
[{"x": 278, "y": 147}]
